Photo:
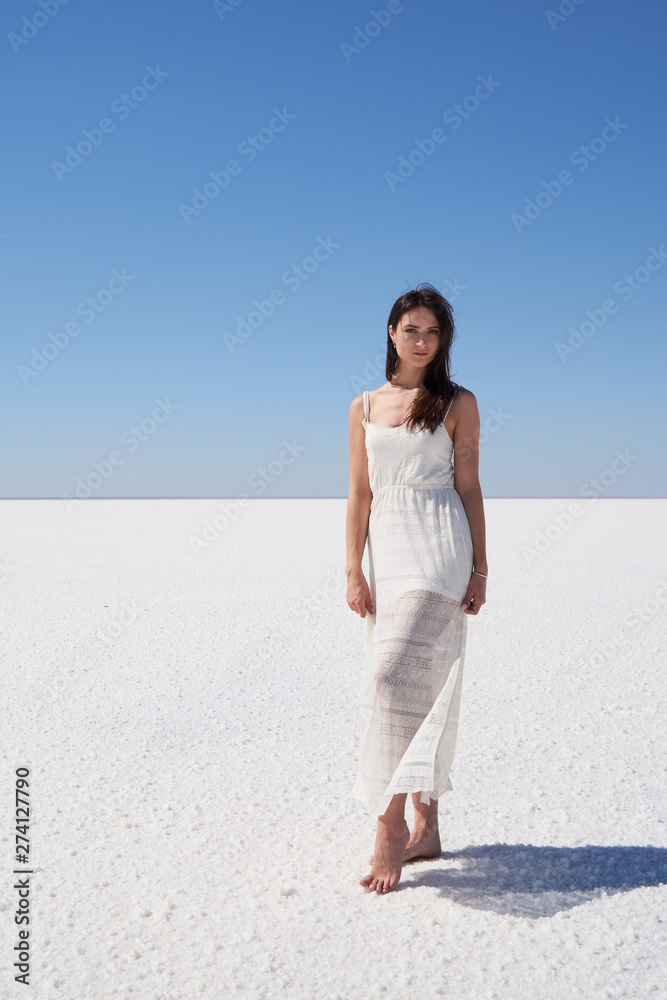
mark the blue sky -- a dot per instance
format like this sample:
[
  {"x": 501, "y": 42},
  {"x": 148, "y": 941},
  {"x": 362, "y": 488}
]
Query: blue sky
[{"x": 204, "y": 227}]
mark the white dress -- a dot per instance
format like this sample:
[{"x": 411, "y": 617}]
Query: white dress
[{"x": 420, "y": 561}]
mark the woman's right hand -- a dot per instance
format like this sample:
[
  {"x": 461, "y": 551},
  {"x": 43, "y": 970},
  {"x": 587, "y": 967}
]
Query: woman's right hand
[{"x": 359, "y": 595}]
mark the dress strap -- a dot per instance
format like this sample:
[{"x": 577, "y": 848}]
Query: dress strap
[
  {"x": 450, "y": 406},
  {"x": 367, "y": 407}
]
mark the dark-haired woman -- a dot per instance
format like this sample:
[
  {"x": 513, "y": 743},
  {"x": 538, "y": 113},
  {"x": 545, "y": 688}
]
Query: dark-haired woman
[{"x": 423, "y": 517}]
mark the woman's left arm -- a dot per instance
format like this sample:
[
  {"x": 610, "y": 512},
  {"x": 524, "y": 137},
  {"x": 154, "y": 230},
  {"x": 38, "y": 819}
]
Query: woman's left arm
[{"x": 466, "y": 484}]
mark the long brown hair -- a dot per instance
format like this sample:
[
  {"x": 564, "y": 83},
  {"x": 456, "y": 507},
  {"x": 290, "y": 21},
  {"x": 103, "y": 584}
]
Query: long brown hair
[{"x": 438, "y": 389}]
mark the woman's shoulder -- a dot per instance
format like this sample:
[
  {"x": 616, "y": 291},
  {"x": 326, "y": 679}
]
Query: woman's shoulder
[
  {"x": 464, "y": 396},
  {"x": 359, "y": 400},
  {"x": 357, "y": 406}
]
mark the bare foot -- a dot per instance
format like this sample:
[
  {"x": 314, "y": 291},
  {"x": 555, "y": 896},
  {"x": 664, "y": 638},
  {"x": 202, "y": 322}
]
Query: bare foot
[
  {"x": 424, "y": 843},
  {"x": 390, "y": 845}
]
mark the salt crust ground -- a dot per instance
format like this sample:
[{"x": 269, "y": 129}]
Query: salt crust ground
[{"x": 189, "y": 718}]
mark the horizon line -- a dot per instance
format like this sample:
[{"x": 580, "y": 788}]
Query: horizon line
[{"x": 344, "y": 497}]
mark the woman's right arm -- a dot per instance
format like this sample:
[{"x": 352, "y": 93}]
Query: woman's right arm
[{"x": 358, "y": 511}]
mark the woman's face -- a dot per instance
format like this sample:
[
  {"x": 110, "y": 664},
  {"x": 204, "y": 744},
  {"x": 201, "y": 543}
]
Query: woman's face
[{"x": 417, "y": 336}]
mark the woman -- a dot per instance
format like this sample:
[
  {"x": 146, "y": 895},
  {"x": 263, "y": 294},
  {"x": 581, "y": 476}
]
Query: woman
[{"x": 423, "y": 516}]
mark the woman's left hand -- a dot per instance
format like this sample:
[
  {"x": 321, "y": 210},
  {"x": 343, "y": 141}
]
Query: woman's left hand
[{"x": 475, "y": 594}]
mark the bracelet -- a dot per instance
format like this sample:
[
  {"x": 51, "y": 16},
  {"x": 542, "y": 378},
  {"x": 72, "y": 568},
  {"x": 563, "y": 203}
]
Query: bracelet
[{"x": 480, "y": 574}]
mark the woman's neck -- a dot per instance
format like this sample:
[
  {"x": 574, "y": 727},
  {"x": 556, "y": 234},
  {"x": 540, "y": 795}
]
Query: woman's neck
[{"x": 408, "y": 378}]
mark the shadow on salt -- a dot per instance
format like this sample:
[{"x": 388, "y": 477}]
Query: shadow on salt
[{"x": 528, "y": 881}]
